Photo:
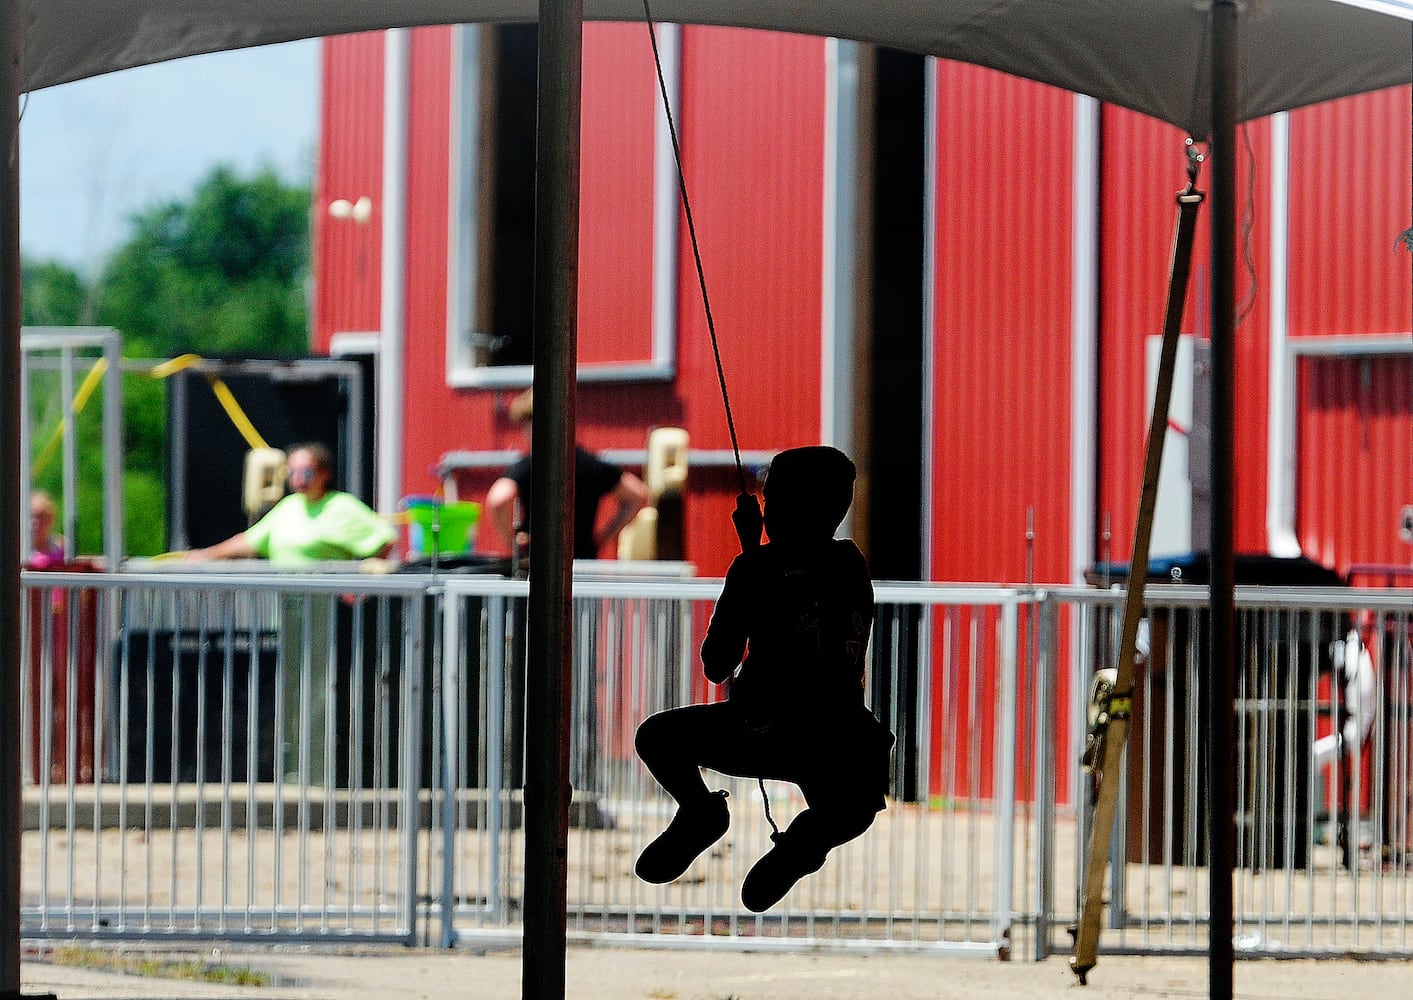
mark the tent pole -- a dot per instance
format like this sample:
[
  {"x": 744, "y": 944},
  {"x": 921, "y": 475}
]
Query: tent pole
[
  {"x": 10, "y": 506},
  {"x": 550, "y": 634},
  {"x": 1221, "y": 661}
]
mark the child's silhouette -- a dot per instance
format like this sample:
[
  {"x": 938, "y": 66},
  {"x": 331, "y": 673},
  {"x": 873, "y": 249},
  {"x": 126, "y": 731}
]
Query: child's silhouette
[{"x": 800, "y": 610}]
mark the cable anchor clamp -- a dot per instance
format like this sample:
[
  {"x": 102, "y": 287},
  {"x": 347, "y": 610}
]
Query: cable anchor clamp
[
  {"x": 1105, "y": 705},
  {"x": 1195, "y": 157}
]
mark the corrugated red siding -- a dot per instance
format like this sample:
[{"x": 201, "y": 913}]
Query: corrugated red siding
[
  {"x": 752, "y": 124},
  {"x": 616, "y": 195},
  {"x": 1142, "y": 168},
  {"x": 1001, "y": 410},
  {"x": 432, "y": 426},
  {"x": 1350, "y": 190},
  {"x": 751, "y": 115},
  {"x": 1354, "y": 457},
  {"x": 1001, "y": 407},
  {"x": 346, "y": 254},
  {"x": 751, "y": 118}
]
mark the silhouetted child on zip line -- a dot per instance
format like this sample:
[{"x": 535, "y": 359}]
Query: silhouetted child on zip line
[{"x": 789, "y": 635}]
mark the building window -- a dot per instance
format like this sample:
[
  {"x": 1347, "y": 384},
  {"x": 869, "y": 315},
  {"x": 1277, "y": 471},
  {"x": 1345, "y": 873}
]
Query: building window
[{"x": 628, "y": 266}]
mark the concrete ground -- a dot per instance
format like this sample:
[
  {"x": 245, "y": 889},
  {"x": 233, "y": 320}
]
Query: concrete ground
[{"x": 646, "y": 974}]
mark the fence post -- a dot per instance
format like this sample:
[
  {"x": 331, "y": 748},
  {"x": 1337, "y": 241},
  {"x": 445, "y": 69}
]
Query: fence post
[
  {"x": 411, "y": 757},
  {"x": 495, "y": 673},
  {"x": 450, "y": 746},
  {"x": 1004, "y": 779},
  {"x": 1047, "y": 763}
]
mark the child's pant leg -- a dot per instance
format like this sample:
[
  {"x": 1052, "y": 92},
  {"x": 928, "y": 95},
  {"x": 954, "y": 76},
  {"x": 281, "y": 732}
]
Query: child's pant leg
[
  {"x": 674, "y": 746},
  {"x": 830, "y": 820}
]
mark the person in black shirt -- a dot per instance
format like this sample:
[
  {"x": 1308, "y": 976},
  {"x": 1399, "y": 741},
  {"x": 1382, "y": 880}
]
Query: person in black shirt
[
  {"x": 507, "y": 505},
  {"x": 789, "y": 636}
]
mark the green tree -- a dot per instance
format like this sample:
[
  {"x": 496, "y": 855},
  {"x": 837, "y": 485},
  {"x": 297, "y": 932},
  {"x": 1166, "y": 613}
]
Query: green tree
[
  {"x": 221, "y": 273},
  {"x": 52, "y": 294}
]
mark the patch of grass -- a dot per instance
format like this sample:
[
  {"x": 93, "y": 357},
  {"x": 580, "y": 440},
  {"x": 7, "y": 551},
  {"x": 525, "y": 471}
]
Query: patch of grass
[{"x": 151, "y": 966}]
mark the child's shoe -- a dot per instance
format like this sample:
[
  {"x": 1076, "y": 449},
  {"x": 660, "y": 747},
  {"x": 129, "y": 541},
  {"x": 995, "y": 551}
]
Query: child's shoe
[
  {"x": 696, "y": 827},
  {"x": 776, "y": 873}
]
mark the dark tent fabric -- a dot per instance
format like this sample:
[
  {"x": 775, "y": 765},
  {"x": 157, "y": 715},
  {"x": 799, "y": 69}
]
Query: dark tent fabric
[
  {"x": 1159, "y": 57},
  {"x": 1148, "y": 55}
]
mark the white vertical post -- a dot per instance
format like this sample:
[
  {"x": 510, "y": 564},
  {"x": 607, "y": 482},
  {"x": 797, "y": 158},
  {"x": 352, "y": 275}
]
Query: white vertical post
[
  {"x": 665, "y": 208},
  {"x": 839, "y": 211},
  {"x": 1084, "y": 332},
  {"x": 114, "y": 544},
  {"x": 409, "y": 745},
  {"x": 451, "y": 750},
  {"x": 1280, "y": 427},
  {"x": 396, "y": 69}
]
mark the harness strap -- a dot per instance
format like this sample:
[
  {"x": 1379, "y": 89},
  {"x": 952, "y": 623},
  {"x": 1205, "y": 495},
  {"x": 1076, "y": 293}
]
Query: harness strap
[{"x": 1087, "y": 932}]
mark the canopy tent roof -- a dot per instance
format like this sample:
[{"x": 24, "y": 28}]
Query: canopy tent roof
[
  {"x": 1153, "y": 56},
  {"x": 1148, "y": 55}
]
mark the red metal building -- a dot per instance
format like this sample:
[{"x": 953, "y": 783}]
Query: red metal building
[{"x": 1014, "y": 434}]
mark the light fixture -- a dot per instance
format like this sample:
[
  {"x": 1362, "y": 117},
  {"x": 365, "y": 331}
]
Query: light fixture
[{"x": 359, "y": 211}]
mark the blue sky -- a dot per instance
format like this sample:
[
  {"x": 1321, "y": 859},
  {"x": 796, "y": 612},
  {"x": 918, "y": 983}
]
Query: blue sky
[{"x": 95, "y": 152}]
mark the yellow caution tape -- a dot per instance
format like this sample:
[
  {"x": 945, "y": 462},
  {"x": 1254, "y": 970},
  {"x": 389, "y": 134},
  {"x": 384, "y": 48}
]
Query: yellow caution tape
[
  {"x": 224, "y": 396},
  {"x": 223, "y": 393},
  {"x": 237, "y": 415}
]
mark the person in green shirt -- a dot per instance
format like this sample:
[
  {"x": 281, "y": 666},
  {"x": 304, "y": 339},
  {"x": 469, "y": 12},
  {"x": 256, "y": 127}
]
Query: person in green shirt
[{"x": 312, "y": 524}]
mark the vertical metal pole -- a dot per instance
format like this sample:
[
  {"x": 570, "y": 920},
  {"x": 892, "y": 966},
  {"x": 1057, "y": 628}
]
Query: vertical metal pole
[
  {"x": 1221, "y": 661},
  {"x": 114, "y": 544},
  {"x": 550, "y": 632},
  {"x": 10, "y": 503},
  {"x": 1004, "y": 780},
  {"x": 451, "y": 754},
  {"x": 410, "y": 746},
  {"x": 68, "y": 453}
]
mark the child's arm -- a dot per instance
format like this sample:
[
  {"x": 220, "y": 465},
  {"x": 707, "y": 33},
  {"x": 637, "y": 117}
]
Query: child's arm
[{"x": 725, "y": 641}]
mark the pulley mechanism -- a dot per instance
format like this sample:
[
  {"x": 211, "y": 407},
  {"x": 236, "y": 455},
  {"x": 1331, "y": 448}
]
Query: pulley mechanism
[{"x": 1105, "y": 704}]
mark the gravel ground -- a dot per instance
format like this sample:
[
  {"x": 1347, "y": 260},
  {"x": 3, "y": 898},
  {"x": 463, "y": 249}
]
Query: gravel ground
[{"x": 662, "y": 974}]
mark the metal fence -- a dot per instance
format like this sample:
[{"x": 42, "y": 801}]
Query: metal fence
[
  {"x": 215, "y": 756},
  {"x": 341, "y": 757},
  {"x": 1322, "y": 755}
]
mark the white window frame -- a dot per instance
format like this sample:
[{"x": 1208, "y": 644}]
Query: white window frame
[{"x": 464, "y": 223}]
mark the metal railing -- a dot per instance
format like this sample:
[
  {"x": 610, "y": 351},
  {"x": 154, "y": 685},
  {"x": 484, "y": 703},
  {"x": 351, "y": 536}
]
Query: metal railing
[
  {"x": 1324, "y": 744},
  {"x": 211, "y": 756},
  {"x": 341, "y": 757}
]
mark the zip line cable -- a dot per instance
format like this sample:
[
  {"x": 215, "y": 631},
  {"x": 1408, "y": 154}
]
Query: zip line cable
[
  {"x": 696, "y": 250},
  {"x": 744, "y": 500}
]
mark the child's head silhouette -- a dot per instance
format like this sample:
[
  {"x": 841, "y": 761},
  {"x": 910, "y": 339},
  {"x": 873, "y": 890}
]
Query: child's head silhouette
[{"x": 807, "y": 493}]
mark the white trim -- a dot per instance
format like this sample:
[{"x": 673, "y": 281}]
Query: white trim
[
  {"x": 463, "y": 181},
  {"x": 396, "y": 73},
  {"x": 1391, "y": 8},
  {"x": 355, "y": 342},
  {"x": 465, "y": 223},
  {"x": 663, "y": 363},
  {"x": 840, "y": 189},
  {"x": 929, "y": 308},
  {"x": 1084, "y": 333},
  {"x": 1281, "y": 539},
  {"x": 1354, "y": 345}
]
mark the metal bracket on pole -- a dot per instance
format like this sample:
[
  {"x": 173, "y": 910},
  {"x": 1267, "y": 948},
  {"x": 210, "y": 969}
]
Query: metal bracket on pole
[{"x": 1112, "y": 694}]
